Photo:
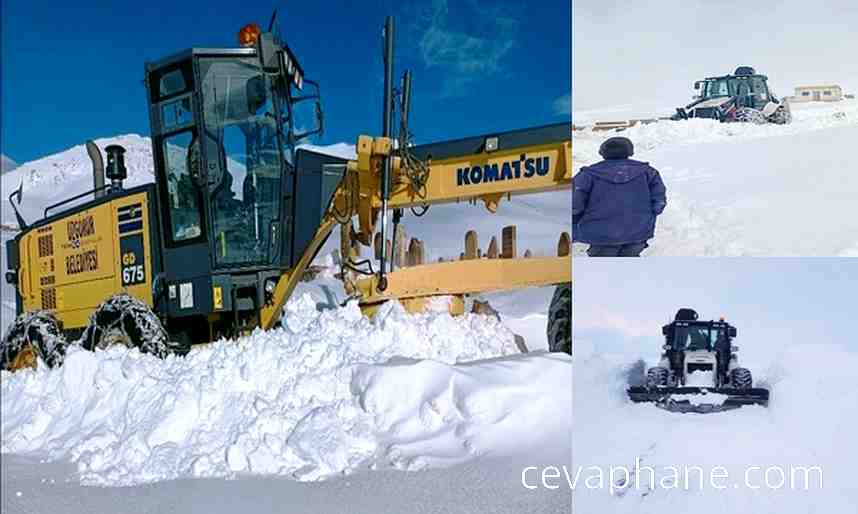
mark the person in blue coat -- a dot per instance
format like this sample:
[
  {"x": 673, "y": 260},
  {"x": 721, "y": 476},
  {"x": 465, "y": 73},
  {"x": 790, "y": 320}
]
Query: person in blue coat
[{"x": 615, "y": 202}]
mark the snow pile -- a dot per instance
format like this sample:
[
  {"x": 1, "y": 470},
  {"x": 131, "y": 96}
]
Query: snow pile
[
  {"x": 810, "y": 422},
  {"x": 433, "y": 414},
  {"x": 743, "y": 189},
  {"x": 306, "y": 401},
  {"x": 700, "y": 379},
  {"x": 701, "y": 399}
]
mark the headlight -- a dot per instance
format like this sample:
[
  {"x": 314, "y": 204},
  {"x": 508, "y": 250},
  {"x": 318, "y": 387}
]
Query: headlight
[{"x": 270, "y": 284}]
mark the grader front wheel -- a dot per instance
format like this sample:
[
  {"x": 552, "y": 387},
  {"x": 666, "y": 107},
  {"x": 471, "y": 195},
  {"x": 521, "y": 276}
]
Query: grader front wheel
[{"x": 125, "y": 320}]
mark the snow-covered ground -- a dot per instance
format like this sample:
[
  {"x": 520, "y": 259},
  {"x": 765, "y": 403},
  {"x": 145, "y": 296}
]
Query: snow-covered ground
[
  {"x": 809, "y": 423},
  {"x": 332, "y": 413},
  {"x": 742, "y": 189},
  {"x": 794, "y": 334},
  {"x": 329, "y": 393}
]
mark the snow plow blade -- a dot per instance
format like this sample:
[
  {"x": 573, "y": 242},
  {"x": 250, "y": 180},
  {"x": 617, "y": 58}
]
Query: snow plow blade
[{"x": 699, "y": 399}]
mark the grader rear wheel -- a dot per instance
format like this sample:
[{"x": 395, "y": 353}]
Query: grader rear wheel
[{"x": 32, "y": 336}]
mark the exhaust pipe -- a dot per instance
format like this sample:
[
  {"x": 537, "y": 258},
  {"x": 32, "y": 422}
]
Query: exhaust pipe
[
  {"x": 116, "y": 171},
  {"x": 97, "y": 168}
]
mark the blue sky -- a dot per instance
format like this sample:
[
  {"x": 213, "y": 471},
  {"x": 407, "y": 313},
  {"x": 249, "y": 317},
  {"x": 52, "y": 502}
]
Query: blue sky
[
  {"x": 771, "y": 300},
  {"x": 70, "y": 73}
]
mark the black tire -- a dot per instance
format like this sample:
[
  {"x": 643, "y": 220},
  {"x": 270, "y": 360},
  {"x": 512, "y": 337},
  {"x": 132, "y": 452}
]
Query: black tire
[
  {"x": 559, "y": 329},
  {"x": 123, "y": 319},
  {"x": 37, "y": 332},
  {"x": 657, "y": 376},
  {"x": 749, "y": 115},
  {"x": 741, "y": 378},
  {"x": 782, "y": 116}
]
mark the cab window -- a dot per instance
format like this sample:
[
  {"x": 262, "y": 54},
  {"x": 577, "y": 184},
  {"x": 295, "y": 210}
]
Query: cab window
[{"x": 181, "y": 156}]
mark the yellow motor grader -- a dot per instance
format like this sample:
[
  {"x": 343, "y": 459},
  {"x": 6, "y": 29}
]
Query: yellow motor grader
[{"x": 238, "y": 211}]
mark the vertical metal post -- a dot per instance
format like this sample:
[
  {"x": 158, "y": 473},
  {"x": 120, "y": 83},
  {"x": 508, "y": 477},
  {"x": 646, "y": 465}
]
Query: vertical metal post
[
  {"x": 386, "y": 132},
  {"x": 406, "y": 99},
  {"x": 405, "y": 95}
]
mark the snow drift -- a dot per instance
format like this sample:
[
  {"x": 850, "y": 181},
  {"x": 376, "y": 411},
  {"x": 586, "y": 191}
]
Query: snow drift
[
  {"x": 809, "y": 422},
  {"x": 328, "y": 393}
]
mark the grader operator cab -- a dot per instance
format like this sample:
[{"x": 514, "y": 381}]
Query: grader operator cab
[
  {"x": 699, "y": 370},
  {"x": 238, "y": 201},
  {"x": 215, "y": 247}
]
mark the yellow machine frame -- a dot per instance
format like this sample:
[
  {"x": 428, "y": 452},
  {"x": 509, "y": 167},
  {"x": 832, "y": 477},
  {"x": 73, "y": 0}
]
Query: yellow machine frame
[
  {"x": 359, "y": 194},
  {"x": 70, "y": 265}
]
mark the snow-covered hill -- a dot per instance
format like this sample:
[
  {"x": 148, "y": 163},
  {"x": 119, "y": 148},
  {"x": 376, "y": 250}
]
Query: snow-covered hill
[
  {"x": 7, "y": 164},
  {"x": 743, "y": 189}
]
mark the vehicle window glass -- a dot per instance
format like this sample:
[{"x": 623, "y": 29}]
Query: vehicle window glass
[
  {"x": 759, "y": 87},
  {"x": 171, "y": 83},
  {"x": 245, "y": 202},
  {"x": 697, "y": 339},
  {"x": 180, "y": 153},
  {"x": 716, "y": 88},
  {"x": 177, "y": 113}
]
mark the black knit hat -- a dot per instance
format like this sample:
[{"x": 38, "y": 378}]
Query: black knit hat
[{"x": 617, "y": 148}]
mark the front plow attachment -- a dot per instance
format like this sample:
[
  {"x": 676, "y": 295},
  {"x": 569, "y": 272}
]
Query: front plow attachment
[{"x": 699, "y": 399}]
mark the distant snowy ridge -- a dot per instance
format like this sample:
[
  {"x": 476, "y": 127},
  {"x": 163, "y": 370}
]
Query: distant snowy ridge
[
  {"x": 64, "y": 174},
  {"x": 7, "y": 164}
]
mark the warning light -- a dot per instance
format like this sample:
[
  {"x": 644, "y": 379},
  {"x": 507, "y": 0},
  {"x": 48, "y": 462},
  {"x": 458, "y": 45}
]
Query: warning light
[{"x": 248, "y": 35}]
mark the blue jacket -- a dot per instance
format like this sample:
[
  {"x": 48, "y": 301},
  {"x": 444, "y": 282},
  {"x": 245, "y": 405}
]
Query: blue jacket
[{"x": 616, "y": 202}]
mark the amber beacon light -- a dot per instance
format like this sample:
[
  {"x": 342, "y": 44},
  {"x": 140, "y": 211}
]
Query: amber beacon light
[{"x": 248, "y": 35}]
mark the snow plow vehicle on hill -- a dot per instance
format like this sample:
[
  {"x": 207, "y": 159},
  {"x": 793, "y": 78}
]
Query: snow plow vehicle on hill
[
  {"x": 699, "y": 370},
  {"x": 743, "y": 96},
  {"x": 216, "y": 246}
]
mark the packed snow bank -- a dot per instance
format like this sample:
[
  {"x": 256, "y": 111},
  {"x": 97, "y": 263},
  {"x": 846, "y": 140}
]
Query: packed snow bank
[
  {"x": 432, "y": 414},
  {"x": 743, "y": 189},
  {"x": 666, "y": 133},
  {"x": 306, "y": 401},
  {"x": 809, "y": 422}
]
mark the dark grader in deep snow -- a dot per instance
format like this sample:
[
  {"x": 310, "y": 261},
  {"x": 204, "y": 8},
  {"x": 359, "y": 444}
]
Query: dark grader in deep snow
[
  {"x": 743, "y": 96},
  {"x": 693, "y": 346}
]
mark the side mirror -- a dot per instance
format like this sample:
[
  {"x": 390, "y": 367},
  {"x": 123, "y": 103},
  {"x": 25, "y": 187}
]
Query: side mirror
[
  {"x": 666, "y": 347},
  {"x": 665, "y": 330},
  {"x": 734, "y": 348},
  {"x": 266, "y": 50},
  {"x": 320, "y": 116},
  {"x": 731, "y": 331},
  {"x": 697, "y": 85}
]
